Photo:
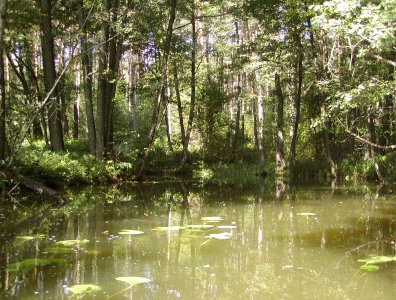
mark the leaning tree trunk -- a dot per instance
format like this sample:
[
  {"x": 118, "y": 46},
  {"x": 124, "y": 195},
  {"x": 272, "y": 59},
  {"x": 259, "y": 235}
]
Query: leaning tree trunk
[
  {"x": 48, "y": 56},
  {"x": 3, "y": 7}
]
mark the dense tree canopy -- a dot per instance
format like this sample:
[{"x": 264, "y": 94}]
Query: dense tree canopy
[{"x": 166, "y": 84}]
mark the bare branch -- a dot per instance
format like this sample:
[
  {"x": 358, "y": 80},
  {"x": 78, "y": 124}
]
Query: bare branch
[{"x": 364, "y": 141}]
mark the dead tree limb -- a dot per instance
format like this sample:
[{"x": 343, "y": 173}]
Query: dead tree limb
[{"x": 33, "y": 185}]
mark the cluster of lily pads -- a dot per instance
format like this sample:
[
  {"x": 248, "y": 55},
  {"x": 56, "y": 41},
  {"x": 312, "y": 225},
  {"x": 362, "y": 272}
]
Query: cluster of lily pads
[
  {"x": 208, "y": 225},
  {"x": 69, "y": 246}
]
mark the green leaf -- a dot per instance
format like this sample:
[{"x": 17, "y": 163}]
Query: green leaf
[
  {"x": 133, "y": 280},
  {"x": 84, "y": 289},
  {"x": 369, "y": 268},
  {"x": 72, "y": 243},
  {"x": 130, "y": 232}
]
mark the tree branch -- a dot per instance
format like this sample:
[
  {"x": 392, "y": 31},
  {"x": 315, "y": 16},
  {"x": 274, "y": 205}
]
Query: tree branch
[{"x": 364, "y": 141}]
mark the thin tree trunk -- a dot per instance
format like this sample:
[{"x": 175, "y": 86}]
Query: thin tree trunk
[
  {"x": 3, "y": 8},
  {"x": 279, "y": 139},
  {"x": 326, "y": 141},
  {"x": 62, "y": 95},
  {"x": 168, "y": 117},
  {"x": 193, "y": 88},
  {"x": 101, "y": 91},
  {"x": 297, "y": 101},
  {"x": 86, "y": 63},
  {"x": 20, "y": 73},
  {"x": 371, "y": 138},
  {"x": 179, "y": 104},
  {"x": 160, "y": 91},
  {"x": 47, "y": 46},
  {"x": 260, "y": 123},
  {"x": 76, "y": 106},
  {"x": 115, "y": 53}
]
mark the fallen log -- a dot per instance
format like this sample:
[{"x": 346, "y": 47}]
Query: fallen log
[{"x": 33, "y": 185}]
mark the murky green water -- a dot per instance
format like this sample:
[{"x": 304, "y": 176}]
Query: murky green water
[{"x": 300, "y": 243}]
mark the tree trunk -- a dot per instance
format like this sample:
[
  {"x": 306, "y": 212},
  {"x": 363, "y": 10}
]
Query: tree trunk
[
  {"x": 326, "y": 140},
  {"x": 62, "y": 94},
  {"x": 168, "y": 117},
  {"x": 47, "y": 46},
  {"x": 160, "y": 91},
  {"x": 371, "y": 138},
  {"x": 76, "y": 106},
  {"x": 179, "y": 104},
  {"x": 3, "y": 8},
  {"x": 193, "y": 87},
  {"x": 101, "y": 90},
  {"x": 260, "y": 122},
  {"x": 297, "y": 101},
  {"x": 279, "y": 139},
  {"x": 86, "y": 63}
]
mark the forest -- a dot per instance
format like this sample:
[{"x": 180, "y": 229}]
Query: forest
[{"x": 97, "y": 91}]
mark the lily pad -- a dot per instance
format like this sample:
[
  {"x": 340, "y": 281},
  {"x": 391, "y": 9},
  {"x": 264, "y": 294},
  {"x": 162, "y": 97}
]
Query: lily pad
[
  {"x": 133, "y": 280},
  {"x": 369, "y": 268},
  {"x": 84, "y": 289},
  {"x": 199, "y": 226},
  {"x": 220, "y": 236},
  {"x": 227, "y": 227},
  {"x": 170, "y": 228},
  {"x": 72, "y": 243},
  {"x": 31, "y": 237},
  {"x": 378, "y": 259},
  {"x": 212, "y": 219},
  {"x": 307, "y": 214},
  {"x": 130, "y": 232}
]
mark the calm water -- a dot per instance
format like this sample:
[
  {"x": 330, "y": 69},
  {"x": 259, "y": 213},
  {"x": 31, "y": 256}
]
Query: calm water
[{"x": 268, "y": 243}]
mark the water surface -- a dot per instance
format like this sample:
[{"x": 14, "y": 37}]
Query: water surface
[{"x": 263, "y": 243}]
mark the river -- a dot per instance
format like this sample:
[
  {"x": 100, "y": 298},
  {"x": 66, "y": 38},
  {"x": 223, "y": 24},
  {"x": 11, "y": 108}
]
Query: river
[{"x": 180, "y": 240}]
